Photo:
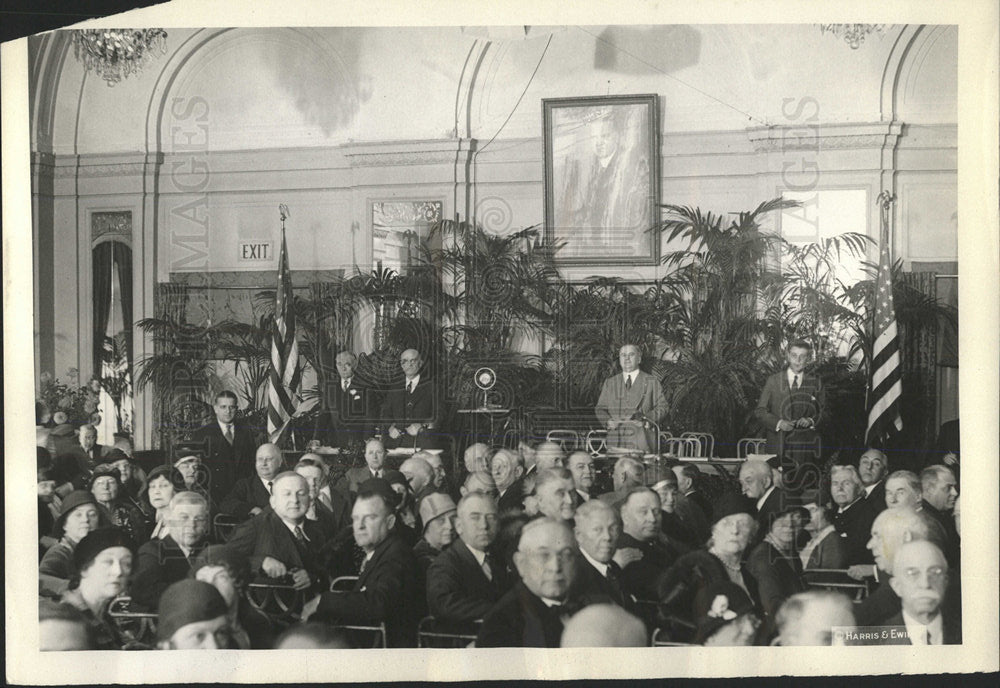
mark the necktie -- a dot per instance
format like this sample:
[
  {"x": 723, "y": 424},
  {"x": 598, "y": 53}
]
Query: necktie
[
  {"x": 628, "y": 382},
  {"x": 795, "y": 382},
  {"x": 612, "y": 571},
  {"x": 487, "y": 569},
  {"x": 270, "y": 487},
  {"x": 344, "y": 385},
  {"x": 229, "y": 434},
  {"x": 300, "y": 537},
  {"x": 409, "y": 387}
]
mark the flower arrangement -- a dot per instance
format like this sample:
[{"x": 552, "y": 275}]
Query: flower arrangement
[{"x": 70, "y": 403}]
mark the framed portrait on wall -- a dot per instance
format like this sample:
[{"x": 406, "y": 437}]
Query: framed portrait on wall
[{"x": 602, "y": 178}]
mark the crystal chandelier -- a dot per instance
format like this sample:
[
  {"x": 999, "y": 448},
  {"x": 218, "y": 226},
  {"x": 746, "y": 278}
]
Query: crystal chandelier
[
  {"x": 116, "y": 54},
  {"x": 853, "y": 34}
]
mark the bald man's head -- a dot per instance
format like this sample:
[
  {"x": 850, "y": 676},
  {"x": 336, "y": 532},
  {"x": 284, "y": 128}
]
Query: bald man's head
[{"x": 603, "y": 625}]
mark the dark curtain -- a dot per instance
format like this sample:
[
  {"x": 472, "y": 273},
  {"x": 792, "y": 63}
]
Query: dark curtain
[
  {"x": 123, "y": 259},
  {"x": 103, "y": 255}
]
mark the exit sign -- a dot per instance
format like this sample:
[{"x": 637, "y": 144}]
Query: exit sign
[{"x": 256, "y": 251}]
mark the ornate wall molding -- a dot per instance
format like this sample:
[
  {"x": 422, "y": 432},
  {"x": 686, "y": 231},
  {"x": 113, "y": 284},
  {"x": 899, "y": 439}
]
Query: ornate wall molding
[
  {"x": 256, "y": 279},
  {"x": 779, "y": 139},
  {"x": 397, "y": 153},
  {"x": 111, "y": 225}
]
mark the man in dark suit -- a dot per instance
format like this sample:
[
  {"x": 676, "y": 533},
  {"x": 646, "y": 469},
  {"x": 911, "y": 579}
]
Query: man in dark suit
[
  {"x": 890, "y": 530},
  {"x": 251, "y": 495},
  {"x": 410, "y": 413},
  {"x": 854, "y": 517},
  {"x": 280, "y": 541},
  {"x": 688, "y": 479},
  {"x": 642, "y": 553},
  {"x": 921, "y": 581},
  {"x": 507, "y": 468},
  {"x": 581, "y": 465},
  {"x": 163, "y": 561},
  {"x": 757, "y": 484},
  {"x": 464, "y": 581},
  {"x": 532, "y": 613},
  {"x": 373, "y": 468},
  {"x": 348, "y": 418},
  {"x": 598, "y": 528},
  {"x": 791, "y": 407},
  {"x": 873, "y": 466},
  {"x": 631, "y": 405},
  {"x": 387, "y": 589},
  {"x": 95, "y": 453},
  {"x": 229, "y": 447},
  {"x": 939, "y": 492}
]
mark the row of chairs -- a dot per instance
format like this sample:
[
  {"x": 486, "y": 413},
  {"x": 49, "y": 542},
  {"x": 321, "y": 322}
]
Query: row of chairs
[{"x": 595, "y": 441}]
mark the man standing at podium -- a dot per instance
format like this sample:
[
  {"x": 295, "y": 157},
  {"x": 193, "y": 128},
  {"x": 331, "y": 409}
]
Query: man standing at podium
[
  {"x": 410, "y": 413},
  {"x": 791, "y": 407},
  {"x": 630, "y": 403}
]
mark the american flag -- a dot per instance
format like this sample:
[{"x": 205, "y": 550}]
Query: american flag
[
  {"x": 283, "y": 376},
  {"x": 885, "y": 386}
]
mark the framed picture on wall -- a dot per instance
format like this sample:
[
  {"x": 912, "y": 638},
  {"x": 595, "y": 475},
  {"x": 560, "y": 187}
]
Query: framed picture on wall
[{"x": 602, "y": 178}]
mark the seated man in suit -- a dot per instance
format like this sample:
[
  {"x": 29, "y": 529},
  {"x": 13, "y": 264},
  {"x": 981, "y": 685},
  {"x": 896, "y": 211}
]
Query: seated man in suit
[
  {"x": 808, "y": 618},
  {"x": 229, "y": 447},
  {"x": 892, "y": 529},
  {"x": 903, "y": 490},
  {"x": 251, "y": 495},
  {"x": 873, "y": 466},
  {"x": 349, "y": 417},
  {"x": 481, "y": 482},
  {"x": 168, "y": 560},
  {"x": 939, "y": 492},
  {"x": 441, "y": 480},
  {"x": 531, "y": 613},
  {"x": 791, "y": 407},
  {"x": 419, "y": 475},
  {"x": 280, "y": 541},
  {"x": 598, "y": 528},
  {"x": 626, "y": 474},
  {"x": 689, "y": 488},
  {"x": 631, "y": 405},
  {"x": 554, "y": 494},
  {"x": 465, "y": 581},
  {"x": 581, "y": 465},
  {"x": 757, "y": 484},
  {"x": 507, "y": 468},
  {"x": 477, "y": 457},
  {"x": 642, "y": 553},
  {"x": 410, "y": 414},
  {"x": 387, "y": 589},
  {"x": 375, "y": 462},
  {"x": 921, "y": 580},
  {"x": 336, "y": 502},
  {"x": 319, "y": 513},
  {"x": 680, "y": 520},
  {"x": 853, "y": 519},
  {"x": 825, "y": 549},
  {"x": 95, "y": 453}
]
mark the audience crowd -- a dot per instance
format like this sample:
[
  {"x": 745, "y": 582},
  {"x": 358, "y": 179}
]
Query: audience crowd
[{"x": 244, "y": 546}]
